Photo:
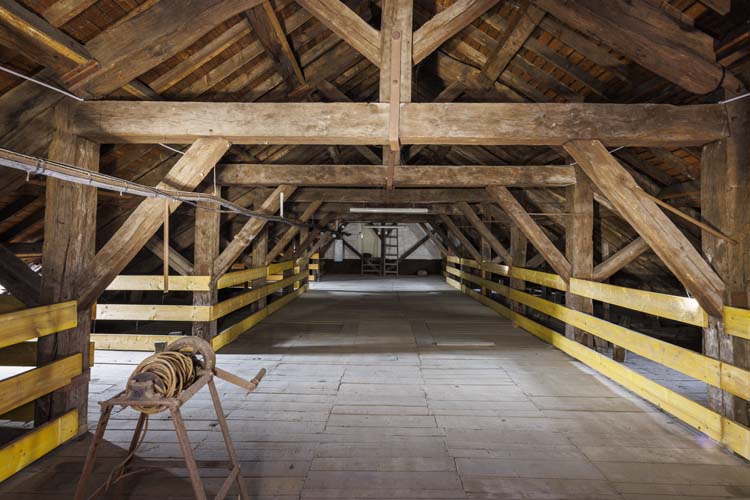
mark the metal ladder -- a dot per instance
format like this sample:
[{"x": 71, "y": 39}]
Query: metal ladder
[{"x": 390, "y": 251}]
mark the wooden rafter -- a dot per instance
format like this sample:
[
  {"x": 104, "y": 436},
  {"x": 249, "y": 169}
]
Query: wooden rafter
[
  {"x": 18, "y": 278},
  {"x": 645, "y": 216},
  {"x": 145, "y": 220},
  {"x": 484, "y": 231},
  {"x": 620, "y": 259},
  {"x": 250, "y": 231},
  {"x": 531, "y": 230},
  {"x": 348, "y": 25},
  {"x": 461, "y": 237},
  {"x": 291, "y": 232},
  {"x": 271, "y": 34}
]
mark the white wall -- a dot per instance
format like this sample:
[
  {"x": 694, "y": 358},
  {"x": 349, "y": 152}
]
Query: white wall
[{"x": 368, "y": 242}]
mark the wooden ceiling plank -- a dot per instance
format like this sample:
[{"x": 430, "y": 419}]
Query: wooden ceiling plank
[
  {"x": 63, "y": 11},
  {"x": 653, "y": 225},
  {"x": 347, "y": 24},
  {"x": 447, "y": 24}
]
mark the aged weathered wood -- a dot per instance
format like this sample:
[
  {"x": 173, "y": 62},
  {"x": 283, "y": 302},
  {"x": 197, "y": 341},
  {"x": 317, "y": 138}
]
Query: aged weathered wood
[
  {"x": 250, "y": 231},
  {"x": 271, "y": 35},
  {"x": 348, "y": 25},
  {"x": 405, "y": 195},
  {"x": 145, "y": 220},
  {"x": 579, "y": 247},
  {"x": 447, "y": 23},
  {"x": 460, "y": 236},
  {"x": 176, "y": 261},
  {"x": 620, "y": 259},
  {"x": 67, "y": 256},
  {"x": 725, "y": 205},
  {"x": 484, "y": 231},
  {"x": 404, "y": 176},
  {"x": 518, "y": 248},
  {"x": 205, "y": 251},
  {"x": 291, "y": 232},
  {"x": 63, "y": 11},
  {"x": 420, "y": 123},
  {"x": 531, "y": 229},
  {"x": 18, "y": 278},
  {"x": 646, "y": 34},
  {"x": 521, "y": 25},
  {"x": 652, "y": 224}
]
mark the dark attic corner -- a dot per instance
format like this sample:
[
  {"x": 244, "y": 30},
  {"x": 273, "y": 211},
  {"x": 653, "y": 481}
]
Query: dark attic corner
[{"x": 394, "y": 249}]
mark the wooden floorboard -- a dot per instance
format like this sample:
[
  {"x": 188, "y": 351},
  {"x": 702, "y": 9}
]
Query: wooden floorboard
[{"x": 405, "y": 389}]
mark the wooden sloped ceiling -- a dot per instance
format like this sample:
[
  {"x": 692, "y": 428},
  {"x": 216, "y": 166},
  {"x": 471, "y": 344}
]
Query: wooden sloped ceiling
[{"x": 537, "y": 58}]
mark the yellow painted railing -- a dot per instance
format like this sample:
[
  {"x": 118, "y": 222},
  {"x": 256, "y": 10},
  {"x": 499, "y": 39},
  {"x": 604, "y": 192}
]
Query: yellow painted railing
[
  {"x": 19, "y": 327},
  {"x": 729, "y": 378},
  {"x": 314, "y": 267},
  {"x": 273, "y": 275}
]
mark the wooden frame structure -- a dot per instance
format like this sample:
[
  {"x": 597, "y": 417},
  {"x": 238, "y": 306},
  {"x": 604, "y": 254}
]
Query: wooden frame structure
[{"x": 460, "y": 166}]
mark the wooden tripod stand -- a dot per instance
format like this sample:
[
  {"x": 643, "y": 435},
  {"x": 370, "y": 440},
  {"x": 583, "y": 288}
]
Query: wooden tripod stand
[{"x": 173, "y": 405}]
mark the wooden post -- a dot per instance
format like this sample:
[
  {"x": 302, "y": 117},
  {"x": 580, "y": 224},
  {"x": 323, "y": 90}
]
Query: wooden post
[
  {"x": 258, "y": 257},
  {"x": 518, "y": 245},
  {"x": 579, "y": 247},
  {"x": 68, "y": 253},
  {"x": 486, "y": 251},
  {"x": 206, "y": 249},
  {"x": 725, "y": 205}
]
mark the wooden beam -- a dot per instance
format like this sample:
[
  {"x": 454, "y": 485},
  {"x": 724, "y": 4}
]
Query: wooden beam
[
  {"x": 579, "y": 247},
  {"x": 250, "y": 231},
  {"x": 531, "y": 230},
  {"x": 435, "y": 238},
  {"x": 405, "y": 195},
  {"x": 404, "y": 176},
  {"x": 205, "y": 251},
  {"x": 725, "y": 205},
  {"x": 67, "y": 256},
  {"x": 17, "y": 278},
  {"x": 348, "y": 25},
  {"x": 650, "y": 222},
  {"x": 521, "y": 25},
  {"x": 146, "y": 219},
  {"x": 643, "y": 32},
  {"x": 455, "y": 231},
  {"x": 446, "y": 24},
  {"x": 333, "y": 94},
  {"x": 421, "y": 241},
  {"x": 64, "y": 53},
  {"x": 176, "y": 261},
  {"x": 484, "y": 231},
  {"x": 63, "y": 11},
  {"x": 271, "y": 35},
  {"x": 420, "y": 123},
  {"x": 291, "y": 232},
  {"x": 620, "y": 259}
]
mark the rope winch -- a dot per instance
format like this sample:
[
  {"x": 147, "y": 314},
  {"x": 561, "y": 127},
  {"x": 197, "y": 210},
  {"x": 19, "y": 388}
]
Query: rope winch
[{"x": 165, "y": 381}]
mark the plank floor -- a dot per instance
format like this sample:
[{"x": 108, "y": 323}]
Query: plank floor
[{"x": 403, "y": 389}]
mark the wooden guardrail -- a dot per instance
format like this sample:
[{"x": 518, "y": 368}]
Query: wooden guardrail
[
  {"x": 314, "y": 267},
  {"x": 729, "y": 378},
  {"x": 18, "y": 327},
  {"x": 273, "y": 273}
]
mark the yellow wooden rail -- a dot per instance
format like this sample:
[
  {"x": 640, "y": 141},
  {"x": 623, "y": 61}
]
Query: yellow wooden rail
[
  {"x": 32, "y": 446},
  {"x": 732, "y": 434},
  {"x": 33, "y": 384},
  {"x": 682, "y": 309},
  {"x": 711, "y": 371},
  {"x": 27, "y": 324}
]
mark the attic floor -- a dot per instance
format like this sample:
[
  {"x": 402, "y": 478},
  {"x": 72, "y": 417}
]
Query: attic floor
[{"x": 406, "y": 389}]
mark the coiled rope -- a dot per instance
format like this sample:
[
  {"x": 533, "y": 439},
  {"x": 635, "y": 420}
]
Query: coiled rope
[{"x": 171, "y": 372}]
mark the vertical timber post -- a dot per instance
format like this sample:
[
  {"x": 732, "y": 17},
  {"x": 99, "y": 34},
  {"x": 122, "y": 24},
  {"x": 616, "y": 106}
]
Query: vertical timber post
[
  {"x": 518, "y": 245},
  {"x": 725, "y": 205},
  {"x": 206, "y": 250},
  {"x": 579, "y": 247},
  {"x": 258, "y": 258},
  {"x": 68, "y": 253}
]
